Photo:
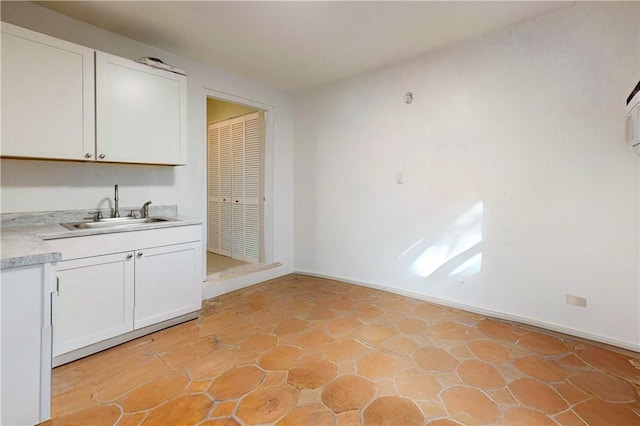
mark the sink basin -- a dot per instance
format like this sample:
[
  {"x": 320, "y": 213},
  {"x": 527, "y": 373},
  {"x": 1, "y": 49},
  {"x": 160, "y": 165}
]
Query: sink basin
[{"x": 116, "y": 222}]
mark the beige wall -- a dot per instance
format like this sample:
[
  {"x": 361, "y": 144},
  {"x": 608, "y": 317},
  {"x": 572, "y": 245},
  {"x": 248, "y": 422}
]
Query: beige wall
[{"x": 220, "y": 110}]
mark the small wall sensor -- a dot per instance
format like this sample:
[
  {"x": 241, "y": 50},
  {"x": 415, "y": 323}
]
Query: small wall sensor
[{"x": 408, "y": 98}]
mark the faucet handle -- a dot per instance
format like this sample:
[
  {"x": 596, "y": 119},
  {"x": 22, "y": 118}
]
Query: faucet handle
[{"x": 98, "y": 215}]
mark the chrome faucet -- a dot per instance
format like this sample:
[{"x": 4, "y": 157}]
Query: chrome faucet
[
  {"x": 144, "y": 211},
  {"x": 116, "y": 212}
]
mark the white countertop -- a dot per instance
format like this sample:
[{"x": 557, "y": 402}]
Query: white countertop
[
  {"x": 27, "y": 245},
  {"x": 21, "y": 246}
]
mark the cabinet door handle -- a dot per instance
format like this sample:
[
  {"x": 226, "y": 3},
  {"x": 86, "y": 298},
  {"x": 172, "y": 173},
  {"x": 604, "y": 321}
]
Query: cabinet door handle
[
  {"x": 101, "y": 156},
  {"x": 88, "y": 155},
  {"x": 52, "y": 308},
  {"x": 139, "y": 255},
  {"x": 129, "y": 256}
]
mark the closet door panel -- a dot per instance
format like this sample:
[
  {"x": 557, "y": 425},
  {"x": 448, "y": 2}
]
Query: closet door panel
[
  {"x": 238, "y": 191},
  {"x": 224, "y": 194},
  {"x": 213, "y": 178},
  {"x": 225, "y": 163},
  {"x": 253, "y": 229},
  {"x": 213, "y": 228},
  {"x": 225, "y": 228},
  {"x": 237, "y": 162},
  {"x": 238, "y": 231},
  {"x": 252, "y": 233},
  {"x": 252, "y": 158},
  {"x": 213, "y": 167}
]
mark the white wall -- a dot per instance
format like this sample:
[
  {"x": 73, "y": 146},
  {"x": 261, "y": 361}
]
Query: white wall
[
  {"x": 41, "y": 186},
  {"x": 513, "y": 148}
]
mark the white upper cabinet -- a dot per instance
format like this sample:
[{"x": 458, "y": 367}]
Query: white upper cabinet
[
  {"x": 47, "y": 96},
  {"x": 64, "y": 101},
  {"x": 140, "y": 112}
]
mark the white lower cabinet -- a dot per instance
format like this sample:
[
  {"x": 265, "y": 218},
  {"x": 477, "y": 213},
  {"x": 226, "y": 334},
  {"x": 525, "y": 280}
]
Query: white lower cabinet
[
  {"x": 158, "y": 298},
  {"x": 25, "y": 342},
  {"x": 104, "y": 299},
  {"x": 94, "y": 300}
]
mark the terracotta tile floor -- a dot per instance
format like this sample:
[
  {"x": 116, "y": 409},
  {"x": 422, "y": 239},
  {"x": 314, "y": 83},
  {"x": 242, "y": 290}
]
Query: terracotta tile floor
[{"x": 308, "y": 351}]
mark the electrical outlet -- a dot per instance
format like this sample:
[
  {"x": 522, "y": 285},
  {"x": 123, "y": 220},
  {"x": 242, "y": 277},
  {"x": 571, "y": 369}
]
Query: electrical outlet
[{"x": 576, "y": 301}]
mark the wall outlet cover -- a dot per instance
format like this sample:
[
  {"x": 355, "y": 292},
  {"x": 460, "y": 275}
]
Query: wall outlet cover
[{"x": 576, "y": 301}]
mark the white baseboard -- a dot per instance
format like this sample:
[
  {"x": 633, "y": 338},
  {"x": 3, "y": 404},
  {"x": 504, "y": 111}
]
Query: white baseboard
[{"x": 486, "y": 312}]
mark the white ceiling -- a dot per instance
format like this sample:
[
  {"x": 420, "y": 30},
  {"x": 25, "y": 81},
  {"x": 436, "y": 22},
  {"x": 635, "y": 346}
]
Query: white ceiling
[{"x": 299, "y": 45}]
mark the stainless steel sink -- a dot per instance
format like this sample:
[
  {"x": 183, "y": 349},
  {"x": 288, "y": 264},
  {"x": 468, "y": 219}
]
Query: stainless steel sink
[{"x": 113, "y": 223}]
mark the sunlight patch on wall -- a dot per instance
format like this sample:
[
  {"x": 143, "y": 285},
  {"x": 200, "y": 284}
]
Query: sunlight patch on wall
[
  {"x": 456, "y": 250},
  {"x": 470, "y": 267}
]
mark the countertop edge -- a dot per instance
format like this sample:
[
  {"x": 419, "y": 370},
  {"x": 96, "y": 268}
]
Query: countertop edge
[
  {"x": 30, "y": 260},
  {"x": 27, "y": 245}
]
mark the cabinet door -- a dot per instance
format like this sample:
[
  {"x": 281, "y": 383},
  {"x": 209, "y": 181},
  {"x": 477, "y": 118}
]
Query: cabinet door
[
  {"x": 47, "y": 96},
  {"x": 140, "y": 113},
  {"x": 167, "y": 282},
  {"x": 94, "y": 301}
]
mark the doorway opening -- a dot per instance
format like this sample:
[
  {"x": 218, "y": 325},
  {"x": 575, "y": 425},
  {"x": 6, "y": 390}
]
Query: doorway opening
[{"x": 236, "y": 135}]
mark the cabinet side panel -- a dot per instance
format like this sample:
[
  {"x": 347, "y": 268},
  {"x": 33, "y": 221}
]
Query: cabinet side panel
[{"x": 22, "y": 317}]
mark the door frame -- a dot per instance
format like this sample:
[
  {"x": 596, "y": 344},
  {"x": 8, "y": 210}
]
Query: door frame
[{"x": 267, "y": 205}]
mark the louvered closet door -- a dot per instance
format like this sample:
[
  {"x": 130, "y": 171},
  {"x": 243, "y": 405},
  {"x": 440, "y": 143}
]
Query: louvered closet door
[
  {"x": 235, "y": 187},
  {"x": 213, "y": 178},
  {"x": 237, "y": 209},
  {"x": 225, "y": 189},
  {"x": 219, "y": 189},
  {"x": 252, "y": 211}
]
